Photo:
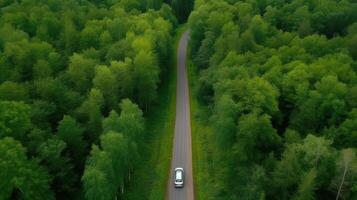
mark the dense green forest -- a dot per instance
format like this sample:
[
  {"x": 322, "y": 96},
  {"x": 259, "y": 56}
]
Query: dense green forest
[
  {"x": 278, "y": 82},
  {"x": 76, "y": 81}
]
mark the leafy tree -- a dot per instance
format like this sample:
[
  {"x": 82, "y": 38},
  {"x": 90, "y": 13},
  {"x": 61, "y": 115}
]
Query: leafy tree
[
  {"x": 326, "y": 107},
  {"x": 89, "y": 37},
  {"x": 225, "y": 125},
  {"x": 98, "y": 176},
  {"x": 14, "y": 119},
  {"x": 104, "y": 80},
  {"x": 306, "y": 187},
  {"x": 70, "y": 36},
  {"x": 91, "y": 109},
  {"x": 20, "y": 177},
  {"x": 51, "y": 155},
  {"x": 12, "y": 91},
  {"x": 71, "y": 133},
  {"x": 255, "y": 138},
  {"x": 54, "y": 91},
  {"x": 146, "y": 76},
  {"x": 256, "y": 94},
  {"x": 131, "y": 120},
  {"x": 81, "y": 72},
  {"x": 116, "y": 146},
  {"x": 346, "y": 171},
  {"x": 112, "y": 122},
  {"x": 123, "y": 72}
]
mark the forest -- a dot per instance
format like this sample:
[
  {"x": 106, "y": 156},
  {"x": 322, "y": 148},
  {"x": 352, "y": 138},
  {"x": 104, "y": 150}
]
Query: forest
[
  {"x": 276, "y": 79},
  {"x": 278, "y": 82},
  {"x": 76, "y": 81}
]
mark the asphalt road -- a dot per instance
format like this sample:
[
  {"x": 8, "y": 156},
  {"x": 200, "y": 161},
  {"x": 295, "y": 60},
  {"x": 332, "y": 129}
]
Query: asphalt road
[{"x": 182, "y": 152}]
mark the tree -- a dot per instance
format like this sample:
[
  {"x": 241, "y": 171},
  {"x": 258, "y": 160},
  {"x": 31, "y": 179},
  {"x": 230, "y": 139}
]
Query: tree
[
  {"x": 146, "y": 76},
  {"x": 226, "y": 112},
  {"x": 307, "y": 186},
  {"x": 346, "y": 172},
  {"x": 104, "y": 80},
  {"x": 12, "y": 91},
  {"x": 91, "y": 109},
  {"x": 42, "y": 69},
  {"x": 205, "y": 51},
  {"x": 325, "y": 106},
  {"x": 98, "y": 176},
  {"x": 259, "y": 29},
  {"x": 131, "y": 121},
  {"x": 51, "y": 154},
  {"x": 345, "y": 135},
  {"x": 89, "y": 37},
  {"x": 306, "y": 165},
  {"x": 81, "y": 72},
  {"x": 108, "y": 167},
  {"x": 14, "y": 119},
  {"x": 123, "y": 72},
  {"x": 112, "y": 122},
  {"x": 21, "y": 178},
  {"x": 70, "y": 36},
  {"x": 53, "y": 90},
  {"x": 117, "y": 148},
  {"x": 255, "y": 138},
  {"x": 71, "y": 133},
  {"x": 256, "y": 94}
]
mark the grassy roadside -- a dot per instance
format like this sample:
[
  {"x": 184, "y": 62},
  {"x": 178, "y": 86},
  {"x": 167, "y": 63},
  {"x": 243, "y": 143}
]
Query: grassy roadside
[
  {"x": 150, "y": 178},
  {"x": 201, "y": 147}
]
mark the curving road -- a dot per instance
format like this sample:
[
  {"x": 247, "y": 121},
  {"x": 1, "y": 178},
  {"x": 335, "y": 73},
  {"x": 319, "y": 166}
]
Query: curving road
[{"x": 182, "y": 152}]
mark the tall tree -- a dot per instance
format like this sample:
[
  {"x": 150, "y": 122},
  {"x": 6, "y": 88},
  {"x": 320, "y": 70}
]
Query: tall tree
[
  {"x": 71, "y": 133},
  {"x": 14, "y": 119},
  {"x": 21, "y": 178},
  {"x": 91, "y": 110},
  {"x": 104, "y": 80},
  {"x": 346, "y": 172},
  {"x": 146, "y": 76},
  {"x": 131, "y": 121}
]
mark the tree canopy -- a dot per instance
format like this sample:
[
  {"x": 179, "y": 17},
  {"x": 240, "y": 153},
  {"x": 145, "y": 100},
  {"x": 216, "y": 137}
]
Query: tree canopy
[
  {"x": 277, "y": 79},
  {"x": 67, "y": 68}
]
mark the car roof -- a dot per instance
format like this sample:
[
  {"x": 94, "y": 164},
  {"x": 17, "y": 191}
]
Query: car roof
[{"x": 178, "y": 174}]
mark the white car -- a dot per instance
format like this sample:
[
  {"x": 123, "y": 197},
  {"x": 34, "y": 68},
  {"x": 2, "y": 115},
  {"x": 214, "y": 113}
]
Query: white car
[{"x": 179, "y": 177}]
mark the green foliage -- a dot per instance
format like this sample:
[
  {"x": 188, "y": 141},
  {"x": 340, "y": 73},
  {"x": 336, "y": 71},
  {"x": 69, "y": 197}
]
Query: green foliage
[
  {"x": 131, "y": 120},
  {"x": 182, "y": 9},
  {"x": 14, "y": 119},
  {"x": 146, "y": 76},
  {"x": 111, "y": 123},
  {"x": 64, "y": 65},
  {"x": 91, "y": 109},
  {"x": 344, "y": 182},
  {"x": 12, "y": 91},
  {"x": 278, "y": 81},
  {"x": 71, "y": 133},
  {"x": 104, "y": 80},
  {"x": 115, "y": 162},
  {"x": 81, "y": 72},
  {"x": 255, "y": 138},
  {"x": 306, "y": 187},
  {"x": 20, "y": 177},
  {"x": 97, "y": 176},
  {"x": 58, "y": 165}
]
